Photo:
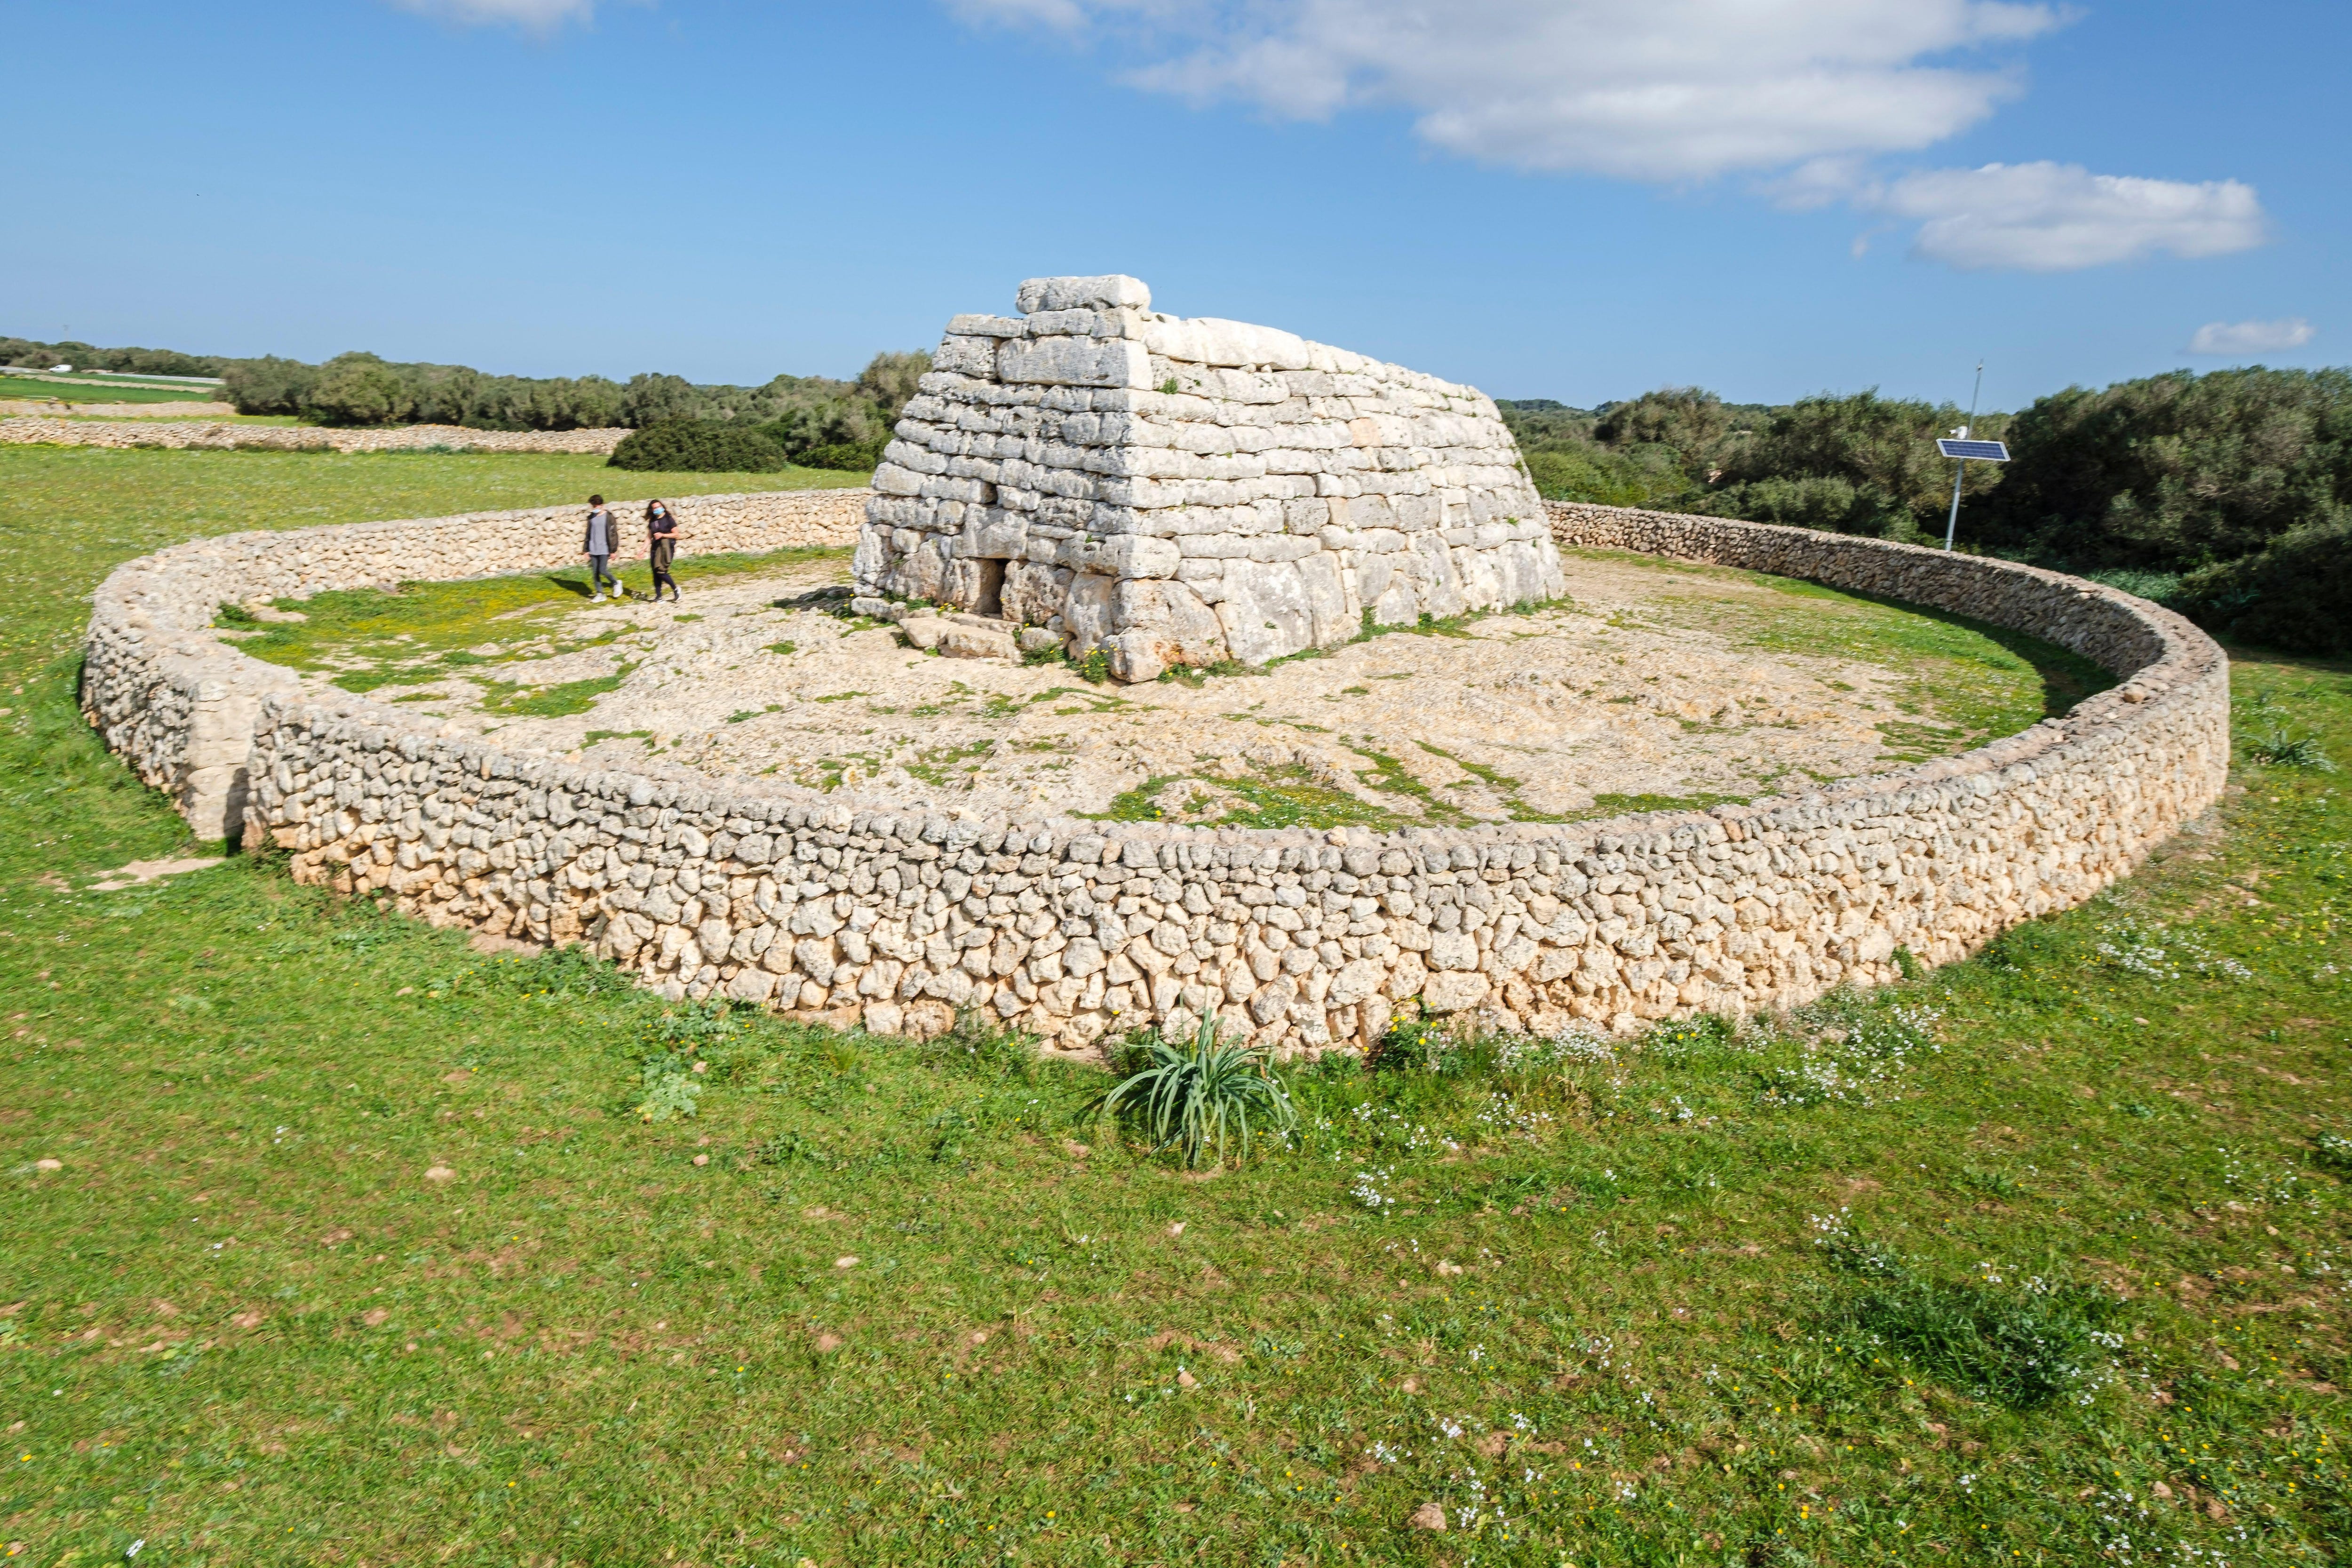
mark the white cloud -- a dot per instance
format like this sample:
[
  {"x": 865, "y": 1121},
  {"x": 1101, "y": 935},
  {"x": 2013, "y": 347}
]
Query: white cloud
[
  {"x": 2060, "y": 217},
  {"x": 1651, "y": 89},
  {"x": 2251, "y": 337},
  {"x": 533, "y": 16}
]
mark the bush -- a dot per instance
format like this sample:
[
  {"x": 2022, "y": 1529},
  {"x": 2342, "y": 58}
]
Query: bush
[
  {"x": 2176, "y": 471},
  {"x": 1646, "y": 477},
  {"x": 2296, "y": 595},
  {"x": 1863, "y": 463},
  {"x": 697, "y": 446},
  {"x": 854, "y": 456},
  {"x": 357, "y": 389}
]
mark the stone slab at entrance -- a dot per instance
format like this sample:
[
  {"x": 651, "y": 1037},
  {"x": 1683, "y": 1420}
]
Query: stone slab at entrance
[{"x": 1182, "y": 492}]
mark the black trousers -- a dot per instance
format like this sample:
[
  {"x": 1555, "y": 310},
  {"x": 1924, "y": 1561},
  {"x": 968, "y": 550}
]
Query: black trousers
[{"x": 664, "y": 551}]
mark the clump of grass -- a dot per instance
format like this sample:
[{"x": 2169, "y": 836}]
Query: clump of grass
[
  {"x": 2018, "y": 1343},
  {"x": 1199, "y": 1096}
]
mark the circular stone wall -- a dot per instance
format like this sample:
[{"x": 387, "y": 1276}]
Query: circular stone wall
[
  {"x": 1660, "y": 684},
  {"x": 896, "y": 914}
]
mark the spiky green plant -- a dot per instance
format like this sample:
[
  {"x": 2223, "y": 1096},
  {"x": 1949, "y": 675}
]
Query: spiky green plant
[
  {"x": 1198, "y": 1096},
  {"x": 2279, "y": 748}
]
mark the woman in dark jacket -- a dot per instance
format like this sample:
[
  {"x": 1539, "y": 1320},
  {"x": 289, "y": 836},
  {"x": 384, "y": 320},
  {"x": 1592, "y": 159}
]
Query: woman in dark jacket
[{"x": 661, "y": 546}]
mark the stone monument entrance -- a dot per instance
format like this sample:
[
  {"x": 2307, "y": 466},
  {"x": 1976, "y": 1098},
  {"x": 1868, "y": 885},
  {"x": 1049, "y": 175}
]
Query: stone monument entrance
[{"x": 1184, "y": 492}]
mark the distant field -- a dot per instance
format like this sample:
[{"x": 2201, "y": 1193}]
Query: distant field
[
  {"x": 100, "y": 392},
  {"x": 80, "y": 511}
]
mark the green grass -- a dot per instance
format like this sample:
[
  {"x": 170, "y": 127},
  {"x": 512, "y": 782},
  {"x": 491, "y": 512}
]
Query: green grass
[
  {"x": 377, "y": 637},
  {"x": 100, "y": 392},
  {"x": 1761, "y": 1297},
  {"x": 1966, "y": 682},
  {"x": 86, "y": 510},
  {"x": 1266, "y": 796}
]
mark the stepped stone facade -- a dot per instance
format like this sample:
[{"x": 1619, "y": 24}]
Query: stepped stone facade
[{"x": 1181, "y": 492}]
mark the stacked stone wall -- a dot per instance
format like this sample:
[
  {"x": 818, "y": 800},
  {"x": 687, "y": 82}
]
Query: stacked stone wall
[
  {"x": 178, "y": 703},
  {"x": 52, "y": 407},
  {"x": 835, "y": 908},
  {"x": 1181, "y": 492},
  {"x": 224, "y": 437}
]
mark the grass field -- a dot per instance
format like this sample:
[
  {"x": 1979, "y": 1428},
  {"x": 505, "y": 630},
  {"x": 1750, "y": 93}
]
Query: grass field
[
  {"x": 358, "y": 1250},
  {"x": 101, "y": 392}
]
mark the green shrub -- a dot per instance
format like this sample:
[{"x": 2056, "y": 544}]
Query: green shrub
[
  {"x": 1196, "y": 1096},
  {"x": 2296, "y": 595},
  {"x": 357, "y": 389},
  {"x": 854, "y": 456},
  {"x": 697, "y": 446},
  {"x": 1416, "y": 1044},
  {"x": 2177, "y": 471},
  {"x": 1644, "y": 478}
]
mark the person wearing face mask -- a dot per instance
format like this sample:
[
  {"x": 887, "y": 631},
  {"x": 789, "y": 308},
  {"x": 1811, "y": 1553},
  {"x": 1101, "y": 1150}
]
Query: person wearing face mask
[{"x": 661, "y": 547}]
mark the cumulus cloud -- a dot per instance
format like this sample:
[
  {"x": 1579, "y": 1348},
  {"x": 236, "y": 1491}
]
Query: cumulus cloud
[
  {"x": 2239, "y": 338},
  {"x": 1650, "y": 90},
  {"x": 532, "y": 16},
  {"x": 2061, "y": 217}
]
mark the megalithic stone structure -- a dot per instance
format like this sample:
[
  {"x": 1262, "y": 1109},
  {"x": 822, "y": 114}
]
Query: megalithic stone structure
[{"x": 1181, "y": 492}]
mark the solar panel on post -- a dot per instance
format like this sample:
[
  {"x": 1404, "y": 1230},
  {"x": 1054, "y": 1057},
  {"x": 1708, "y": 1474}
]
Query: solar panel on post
[{"x": 1974, "y": 451}]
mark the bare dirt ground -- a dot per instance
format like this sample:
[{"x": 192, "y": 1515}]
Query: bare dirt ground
[{"x": 1657, "y": 684}]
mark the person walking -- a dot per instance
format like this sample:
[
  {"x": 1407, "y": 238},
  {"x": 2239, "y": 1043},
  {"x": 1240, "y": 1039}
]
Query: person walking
[
  {"x": 598, "y": 547},
  {"x": 661, "y": 547}
]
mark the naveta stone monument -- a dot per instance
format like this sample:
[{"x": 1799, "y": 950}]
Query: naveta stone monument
[{"x": 1181, "y": 492}]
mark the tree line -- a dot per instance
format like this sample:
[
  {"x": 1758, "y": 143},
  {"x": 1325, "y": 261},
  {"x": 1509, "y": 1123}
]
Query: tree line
[
  {"x": 812, "y": 419},
  {"x": 2226, "y": 495}
]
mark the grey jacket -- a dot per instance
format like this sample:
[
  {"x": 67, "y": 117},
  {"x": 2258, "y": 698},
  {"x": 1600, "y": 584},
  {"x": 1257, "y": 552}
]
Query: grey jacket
[{"x": 599, "y": 540}]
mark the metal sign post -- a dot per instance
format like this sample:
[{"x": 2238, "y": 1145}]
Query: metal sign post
[{"x": 1962, "y": 451}]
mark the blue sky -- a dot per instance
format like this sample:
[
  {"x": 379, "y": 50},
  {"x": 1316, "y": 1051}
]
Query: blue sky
[{"x": 1567, "y": 198}]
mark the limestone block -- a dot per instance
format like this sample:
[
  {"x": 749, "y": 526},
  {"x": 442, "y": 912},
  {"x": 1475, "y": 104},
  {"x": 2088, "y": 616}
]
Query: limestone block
[
  {"x": 1088, "y": 613},
  {"x": 1121, "y": 555},
  {"x": 960, "y": 641},
  {"x": 1073, "y": 361},
  {"x": 1207, "y": 340},
  {"x": 1115, "y": 291},
  {"x": 1452, "y": 989},
  {"x": 1328, "y": 599},
  {"x": 751, "y": 985},
  {"x": 992, "y": 533},
  {"x": 965, "y": 355},
  {"x": 987, "y": 326},
  {"x": 1034, "y": 591},
  {"x": 1265, "y": 612},
  {"x": 1166, "y": 622}
]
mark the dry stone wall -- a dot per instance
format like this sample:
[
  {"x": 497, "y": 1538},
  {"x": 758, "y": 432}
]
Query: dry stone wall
[
  {"x": 845, "y": 910},
  {"x": 223, "y": 435},
  {"x": 179, "y": 703},
  {"x": 1180, "y": 492},
  {"x": 55, "y": 406}
]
